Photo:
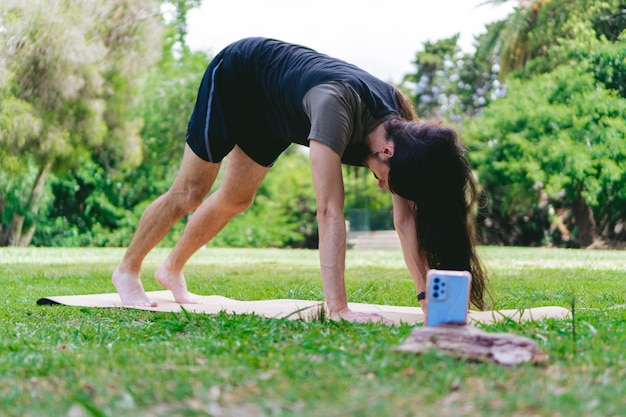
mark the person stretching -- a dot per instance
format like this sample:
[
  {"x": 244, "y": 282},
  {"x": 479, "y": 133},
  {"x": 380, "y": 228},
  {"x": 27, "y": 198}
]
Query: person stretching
[{"x": 257, "y": 97}]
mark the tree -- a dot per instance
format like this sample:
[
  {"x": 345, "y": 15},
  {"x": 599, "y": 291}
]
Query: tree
[
  {"x": 433, "y": 64},
  {"x": 608, "y": 62},
  {"x": 64, "y": 65},
  {"x": 53, "y": 70},
  {"x": 119, "y": 192},
  {"x": 510, "y": 39},
  {"x": 165, "y": 104},
  {"x": 449, "y": 84},
  {"x": 584, "y": 173},
  {"x": 539, "y": 32},
  {"x": 561, "y": 134}
]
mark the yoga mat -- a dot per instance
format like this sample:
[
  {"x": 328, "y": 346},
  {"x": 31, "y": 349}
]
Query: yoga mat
[{"x": 294, "y": 309}]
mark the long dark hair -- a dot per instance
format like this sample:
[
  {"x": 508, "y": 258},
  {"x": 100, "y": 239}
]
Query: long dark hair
[{"x": 429, "y": 168}]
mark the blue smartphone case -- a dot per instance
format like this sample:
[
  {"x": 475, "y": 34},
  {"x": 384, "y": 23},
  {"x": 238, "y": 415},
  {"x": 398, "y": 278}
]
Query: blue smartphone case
[{"x": 447, "y": 295}]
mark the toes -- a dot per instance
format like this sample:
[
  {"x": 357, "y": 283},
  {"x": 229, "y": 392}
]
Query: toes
[
  {"x": 140, "y": 303},
  {"x": 188, "y": 299}
]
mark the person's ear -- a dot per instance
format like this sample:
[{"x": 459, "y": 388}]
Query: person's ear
[{"x": 387, "y": 150}]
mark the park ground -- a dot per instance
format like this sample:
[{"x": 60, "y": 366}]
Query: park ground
[{"x": 65, "y": 361}]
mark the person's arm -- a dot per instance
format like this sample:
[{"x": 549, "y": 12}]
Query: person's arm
[
  {"x": 328, "y": 183},
  {"x": 404, "y": 222},
  {"x": 329, "y": 191}
]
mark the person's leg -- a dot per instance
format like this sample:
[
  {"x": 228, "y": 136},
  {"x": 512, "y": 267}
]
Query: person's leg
[
  {"x": 241, "y": 181},
  {"x": 194, "y": 180}
]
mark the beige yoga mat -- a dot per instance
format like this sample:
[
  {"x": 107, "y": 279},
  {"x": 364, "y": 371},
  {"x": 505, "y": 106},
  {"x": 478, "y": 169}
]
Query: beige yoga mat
[{"x": 295, "y": 309}]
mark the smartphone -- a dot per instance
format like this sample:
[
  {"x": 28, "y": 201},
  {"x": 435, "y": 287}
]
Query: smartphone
[{"x": 447, "y": 295}]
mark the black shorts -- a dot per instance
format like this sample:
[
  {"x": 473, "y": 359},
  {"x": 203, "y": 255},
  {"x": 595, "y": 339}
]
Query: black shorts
[{"x": 226, "y": 114}]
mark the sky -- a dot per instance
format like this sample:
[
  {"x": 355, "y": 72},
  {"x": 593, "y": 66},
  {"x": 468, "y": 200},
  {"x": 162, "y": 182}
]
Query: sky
[{"x": 380, "y": 36}]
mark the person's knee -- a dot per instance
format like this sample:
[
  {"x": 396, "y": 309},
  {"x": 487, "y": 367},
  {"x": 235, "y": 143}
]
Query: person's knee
[
  {"x": 184, "y": 201},
  {"x": 241, "y": 204},
  {"x": 235, "y": 204}
]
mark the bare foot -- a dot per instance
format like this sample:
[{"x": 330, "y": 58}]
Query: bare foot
[
  {"x": 175, "y": 282},
  {"x": 130, "y": 289}
]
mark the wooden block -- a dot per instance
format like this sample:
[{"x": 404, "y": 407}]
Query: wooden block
[{"x": 464, "y": 341}]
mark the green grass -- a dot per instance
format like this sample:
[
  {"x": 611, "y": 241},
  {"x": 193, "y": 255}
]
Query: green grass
[{"x": 63, "y": 361}]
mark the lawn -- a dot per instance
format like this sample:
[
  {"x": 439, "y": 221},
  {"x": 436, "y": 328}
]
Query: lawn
[{"x": 63, "y": 361}]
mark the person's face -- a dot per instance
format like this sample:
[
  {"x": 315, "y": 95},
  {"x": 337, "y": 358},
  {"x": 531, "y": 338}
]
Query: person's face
[
  {"x": 380, "y": 169},
  {"x": 378, "y": 163},
  {"x": 381, "y": 150}
]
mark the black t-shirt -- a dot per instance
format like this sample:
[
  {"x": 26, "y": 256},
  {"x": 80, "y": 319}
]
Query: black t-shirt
[{"x": 278, "y": 76}]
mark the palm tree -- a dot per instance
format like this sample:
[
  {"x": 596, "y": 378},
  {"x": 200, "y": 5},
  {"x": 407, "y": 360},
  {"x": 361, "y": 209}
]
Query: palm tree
[{"x": 509, "y": 39}]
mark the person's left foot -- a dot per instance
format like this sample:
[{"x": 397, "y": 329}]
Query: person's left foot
[{"x": 175, "y": 282}]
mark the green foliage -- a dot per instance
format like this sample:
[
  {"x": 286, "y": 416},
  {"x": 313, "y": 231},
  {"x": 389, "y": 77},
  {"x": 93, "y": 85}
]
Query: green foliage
[
  {"x": 449, "y": 84},
  {"x": 430, "y": 79},
  {"x": 542, "y": 34},
  {"x": 166, "y": 103},
  {"x": 85, "y": 211},
  {"x": 178, "y": 23},
  {"x": 611, "y": 22},
  {"x": 19, "y": 125},
  {"x": 551, "y": 150},
  {"x": 608, "y": 62},
  {"x": 362, "y": 192},
  {"x": 16, "y": 187},
  {"x": 56, "y": 74},
  {"x": 101, "y": 92},
  {"x": 69, "y": 71},
  {"x": 557, "y": 134},
  {"x": 132, "y": 35},
  {"x": 99, "y": 203}
]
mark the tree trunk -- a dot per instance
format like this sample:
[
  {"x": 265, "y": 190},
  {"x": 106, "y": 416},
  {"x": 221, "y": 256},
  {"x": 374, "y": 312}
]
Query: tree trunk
[
  {"x": 586, "y": 224},
  {"x": 27, "y": 235},
  {"x": 18, "y": 234},
  {"x": 15, "y": 230}
]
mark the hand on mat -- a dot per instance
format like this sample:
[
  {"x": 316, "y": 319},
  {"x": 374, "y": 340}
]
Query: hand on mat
[{"x": 360, "y": 317}]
